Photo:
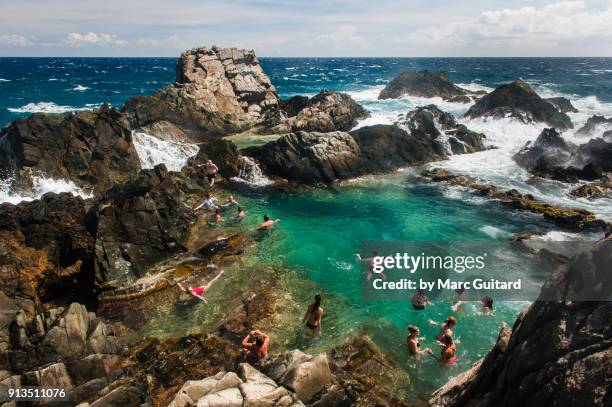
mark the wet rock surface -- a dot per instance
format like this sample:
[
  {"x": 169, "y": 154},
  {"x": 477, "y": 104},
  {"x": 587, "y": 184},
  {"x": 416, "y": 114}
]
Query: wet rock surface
[
  {"x": 595, "y": 126},
  {"x": 519, "y": 101},
  {"x": 570, "y": 218},
  {"x": 422, "y": 84},
  {"x": 558, "y": 353},
  {"x": 550, "y": 156}
]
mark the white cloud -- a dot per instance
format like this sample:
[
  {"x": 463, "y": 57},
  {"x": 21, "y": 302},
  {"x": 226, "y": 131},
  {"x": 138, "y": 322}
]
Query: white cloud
[
  {"x": 91, "y": 38},
  {"x": 14, "y": 40},
  {"x": 344, "y": 36},
  {"x": 555, "y": 24},
  {"x": 170, "y": 41}
]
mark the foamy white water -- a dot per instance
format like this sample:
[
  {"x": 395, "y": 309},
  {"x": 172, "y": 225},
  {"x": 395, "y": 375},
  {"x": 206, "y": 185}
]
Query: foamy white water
[
  {"x": 250, "y": 173},
  {"x": 153, "y": 151},
  {"x": 44, "y": 107},
  {"x": 506, "y": 135},
  {"x": 41, "y": 186}
]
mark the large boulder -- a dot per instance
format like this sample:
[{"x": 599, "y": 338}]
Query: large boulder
[
  {"x": 329, "y": 111},
  {"x": 517, "y": 100},
  {"x": 92, "y": 148},
  {"x": 562, "y": 104},
  {"x": 559, "y": 352},
  {"x": 216, "y": 90},
  {"x": 137, "y": 224},
  {"x": 421, "y": 84},
  {"x": 426, "y": 134},
  {"x": 551, "y": 156}
]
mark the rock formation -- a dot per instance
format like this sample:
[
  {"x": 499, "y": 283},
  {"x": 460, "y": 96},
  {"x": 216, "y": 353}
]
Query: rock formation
[
  {"x": 551, "y": 156},
  {"x": 562, "y": 104},
  {"x": 594, "y": 125},
  {"x": 572, "y": 218},
  {"x": 427, "y": 134},
  {"x": 558, "y": 353},
  {"x": 92, "y": 148},
  {"x": 422, "y": 84},
  {"x": 517, "y": 100}
]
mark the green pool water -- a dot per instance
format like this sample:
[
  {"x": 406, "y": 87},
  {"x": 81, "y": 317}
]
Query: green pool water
[{"x": 319, "y": 232}]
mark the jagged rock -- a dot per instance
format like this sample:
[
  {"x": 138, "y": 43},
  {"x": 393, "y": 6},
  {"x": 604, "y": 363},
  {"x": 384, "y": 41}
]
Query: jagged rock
[
  {"x": 222, "y": 152},
  {"x": 422, "y": 84},
  {"x": 562, "y": 104},
  {"x": 328, "y": 111},
  {"x": 572, "y": 218},
  {"x": 594, "y": 190},
  {"x": 138, "y": 224},
  {"x": 292, "y": 106},
  {"x": 123, "y": 396},
  {"x": 47, "y": 338},
  {"x": 595, "y": 124},
  {"x": 92, "y": 148},
  {"x": 216, "y": 90},
  {"x": 517, "y": 100},
  {"x": 427, "y": 135},
  {"x": 552, "y": 157},
  {"x": 304, "y": 374},
  {"x": 559, "y": 352}
]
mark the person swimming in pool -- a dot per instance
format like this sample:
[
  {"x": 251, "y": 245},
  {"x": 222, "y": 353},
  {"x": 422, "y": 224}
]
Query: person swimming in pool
[
  {"x": 369, "y": 262},
  {"x": 255, "y": 346},
  {"x": 460, "y": 299},
  {"x": 198, "y": 292},
  {"x": 414, "y": 342},
  {"x": 267, "y": 223},
  {"x": 448, "y": 353},
  {"x": 216, "y": 216},
  {"x": 240, "y": 214},
  {"x": 487, "y": 305},
  {"x": 230, "y": 201},
  {"x": 419, "y": 300},
  {"x": 446, "y": 328},
  {"x": 313, "y": 315}
]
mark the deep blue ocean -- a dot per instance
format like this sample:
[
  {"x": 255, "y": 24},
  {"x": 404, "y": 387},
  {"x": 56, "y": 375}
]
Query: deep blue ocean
[{"x": 57, "y": 84}]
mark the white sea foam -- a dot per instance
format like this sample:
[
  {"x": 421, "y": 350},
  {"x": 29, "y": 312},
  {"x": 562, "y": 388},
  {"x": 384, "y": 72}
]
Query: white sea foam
[
  {"x": 4, "y": 80},
  {"x": 41, "y": 185},
  {"x": 493, "y": 232},
  {"x": 153, "y": 151},
  {"x": 80, "y": 88},
  {"x": 44, "y": 107}
]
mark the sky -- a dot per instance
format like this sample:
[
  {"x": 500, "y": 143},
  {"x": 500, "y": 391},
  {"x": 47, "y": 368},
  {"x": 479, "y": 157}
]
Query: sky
[{"x": 409, "y": 28}]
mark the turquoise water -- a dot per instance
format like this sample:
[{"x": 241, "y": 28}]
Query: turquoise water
[{"x": 321, "y": 229}]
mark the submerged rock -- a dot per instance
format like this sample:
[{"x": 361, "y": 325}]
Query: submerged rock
[
  {"x": 558, "y": 353},
  {"x": 517, "y": 100},
  {"x": 551, "y": 156},
  {"x": 92, "y": 148},
  {"x": 594, "y": 125},
  {"x": 421, "y": 84},
  {"x": 427, "y": 134},
  {"x": 573, "y": 218}
]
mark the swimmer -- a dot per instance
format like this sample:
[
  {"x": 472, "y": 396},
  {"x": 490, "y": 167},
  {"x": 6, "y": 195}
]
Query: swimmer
[
  {"x": 257, "y": 349},
  {"x": 446, "y": 328},
  {"x": 198, "y": 292},
  {"x": 460, "y": 298},
  {"x": 210, "y": 202},
  {"x": 216, "y": 216},
  {"x": 230, "y": 201},
  {"x": 419, "y": 300},
  {"x": 267, "y": 223},
  {"x": 447, "y": 355},
  {"x": 313, "y": 315},
  {"x": 369, "y": 261},
  {"x": 413, "y": 342},
  {"x": 487, "y": 306},
  {"x": 240, "y": 214}
]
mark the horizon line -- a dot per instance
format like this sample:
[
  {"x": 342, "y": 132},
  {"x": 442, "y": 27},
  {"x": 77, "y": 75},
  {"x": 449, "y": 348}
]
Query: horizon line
[{"x": 311, "y": 57}]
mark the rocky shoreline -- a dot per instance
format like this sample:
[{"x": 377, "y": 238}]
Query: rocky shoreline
[{"x": 79, "y": 277}]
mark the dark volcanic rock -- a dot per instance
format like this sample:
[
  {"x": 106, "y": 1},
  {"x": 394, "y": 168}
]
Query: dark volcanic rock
[
  {"x": 562, "y": 104},
  {"x": 222, "y": 152},
  {"x": 92, "y": 148},
  {"x": 138, "y": 224},
  {"x": 421, "y": 83},
  {"x": 427, "y": 134},
  {"x": 292, "y": 106},
  {"x": 518, "y": 100},
  {"x": 551, "y": 156},
  {"x": 593, "y": 125},
  {"x": 558, "y": 353}
]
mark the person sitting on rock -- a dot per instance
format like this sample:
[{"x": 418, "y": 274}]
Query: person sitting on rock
[
  {"x": 267, "y": 223},
  {"x": 446, "y": 328},
  {"x": 419, "y": 300},
  {"x": 313, "y": 315},
  {"x": 198, "y": 292},
  {"x": 240, "y": 214},
  {"x": 211, "y": 172},
  {"x": 255, "y": 346},
  {"x": 210, "y": 202},
  {"x": 414, "y": 342},
  {"x": 216, "y": 216}
]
